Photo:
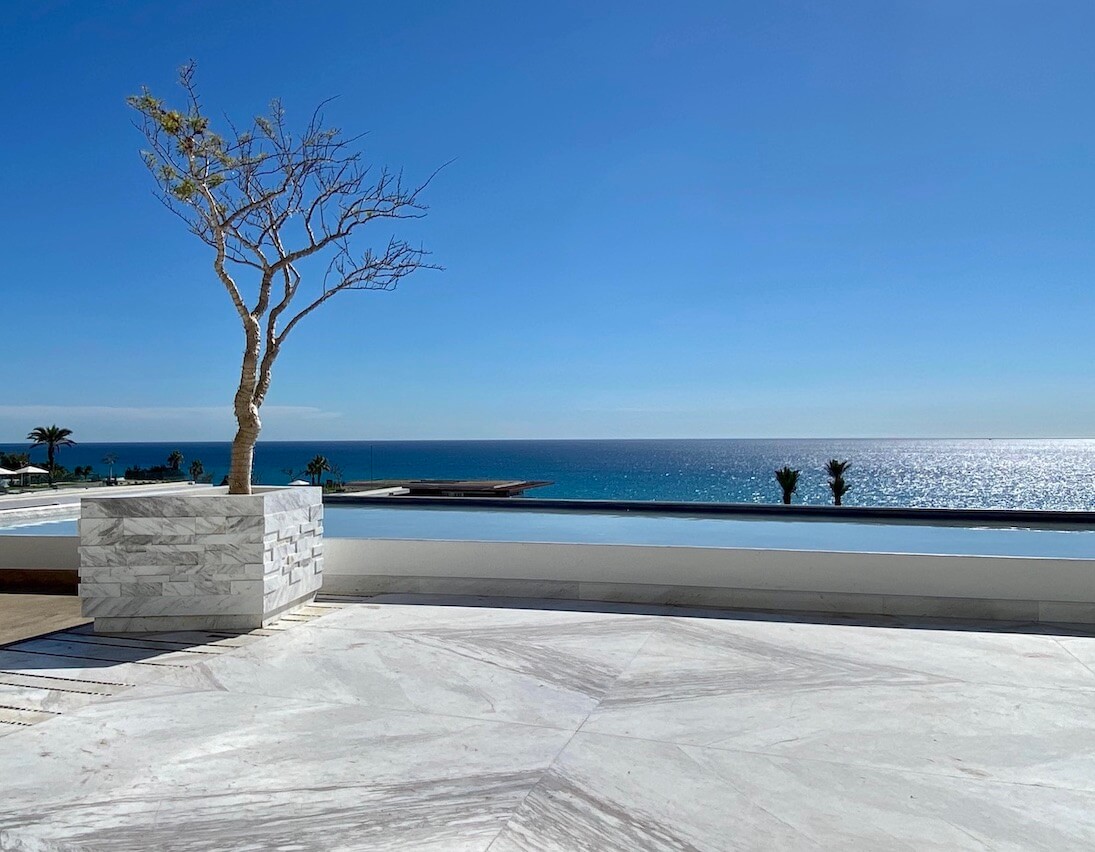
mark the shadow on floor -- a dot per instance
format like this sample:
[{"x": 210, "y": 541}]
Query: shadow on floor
[{"x": 906, "y": 622}]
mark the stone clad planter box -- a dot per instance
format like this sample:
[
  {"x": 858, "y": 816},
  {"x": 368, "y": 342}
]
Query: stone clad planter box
[{"x": 202, "y": 561}]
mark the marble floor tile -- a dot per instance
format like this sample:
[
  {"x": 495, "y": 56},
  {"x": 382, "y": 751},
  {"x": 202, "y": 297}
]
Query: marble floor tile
[
  {"x": 36, "y": 694},
  {"x": 1015, "y": 734},
  {"x": 609, "y": 793},
  {"x": 1081, "y": 649},
  {"x": 539, "y": 672},
  {"x": 960, "y": 655},
  {"x": 725, "y": 688},
  {"x": 426, "y": 726},
  {"x": 168, "y": 769}
]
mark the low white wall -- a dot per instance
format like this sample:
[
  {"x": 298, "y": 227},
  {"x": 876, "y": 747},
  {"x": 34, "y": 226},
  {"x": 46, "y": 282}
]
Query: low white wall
[
  {"x": 899, "y": 583},
  {"x": 1021, "y": 588}
]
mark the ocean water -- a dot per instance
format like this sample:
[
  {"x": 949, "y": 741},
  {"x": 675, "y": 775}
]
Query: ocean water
[
  {"x": 409, "y": 522},
  {"x": 1031, "y": 474}
]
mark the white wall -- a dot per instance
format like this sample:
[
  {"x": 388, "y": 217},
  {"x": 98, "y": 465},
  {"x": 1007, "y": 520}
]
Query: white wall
[
  {"x": 972, "y": 586},
  {"x": 968, "y": 586}
]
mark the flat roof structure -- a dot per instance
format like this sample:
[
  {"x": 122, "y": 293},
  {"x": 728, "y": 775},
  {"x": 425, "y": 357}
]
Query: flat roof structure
[
  {"x": 446, "y": 487},
  {"x": 400, "y": 722}
]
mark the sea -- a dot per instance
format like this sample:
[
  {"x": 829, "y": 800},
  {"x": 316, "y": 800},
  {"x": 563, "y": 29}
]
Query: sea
[{"x": 1028, "y": 474}]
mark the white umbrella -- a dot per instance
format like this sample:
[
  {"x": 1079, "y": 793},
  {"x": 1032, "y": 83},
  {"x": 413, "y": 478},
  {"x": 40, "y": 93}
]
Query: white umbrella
[
  {"x": 5, "y": 472},
  {"x": 300, "y": 482},
  {"x": 29, "y": 469}
]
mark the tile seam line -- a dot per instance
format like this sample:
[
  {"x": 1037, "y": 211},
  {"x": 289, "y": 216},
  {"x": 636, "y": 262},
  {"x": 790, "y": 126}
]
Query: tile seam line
[
  {"x": 17, "y": 673},
  {"x": 1071, "y": 654},
  {"x": 854, "y": 764},
  {"x": 4, "y": 683},
  {"x": 570, "y": 739}
]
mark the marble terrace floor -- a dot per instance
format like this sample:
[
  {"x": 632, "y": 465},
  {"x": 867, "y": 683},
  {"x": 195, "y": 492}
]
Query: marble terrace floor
[{"x": 402, "y": 723}]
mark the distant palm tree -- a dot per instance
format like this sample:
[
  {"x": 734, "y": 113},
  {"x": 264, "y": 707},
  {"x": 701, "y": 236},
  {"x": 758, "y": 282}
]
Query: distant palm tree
[
  {"x": 52, "y": 438},
  {"x": 788, "y": 481},
  {"x": 316, "y": 468},
  {"x": 175, "y": 460},
  {"x": 197, "y": 469},
  {"x": 835, "y": 469},
  {"x": 110, "y": 460}
]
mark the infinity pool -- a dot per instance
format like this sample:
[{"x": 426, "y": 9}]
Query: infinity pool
[{"x": 494, "y": 525}]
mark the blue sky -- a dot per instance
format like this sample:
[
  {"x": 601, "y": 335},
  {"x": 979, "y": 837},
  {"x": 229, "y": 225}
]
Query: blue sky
[{"x": 688, "y": 219}]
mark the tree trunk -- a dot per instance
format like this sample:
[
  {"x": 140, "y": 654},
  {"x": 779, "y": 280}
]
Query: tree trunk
[
  {"x": 49, "y": 454},
  {"x": 247, "y": 416},
  {"x": 787, "y": 498},
  {"x": 243, "y": 457}
]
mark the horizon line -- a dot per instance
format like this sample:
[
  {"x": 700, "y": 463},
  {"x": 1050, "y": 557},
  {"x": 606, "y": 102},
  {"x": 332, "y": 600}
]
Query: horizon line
[{"x": 614, "y": 438}]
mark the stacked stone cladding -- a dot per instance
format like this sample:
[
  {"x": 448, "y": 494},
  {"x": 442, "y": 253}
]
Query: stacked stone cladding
[{"x": 199, "y": 561}]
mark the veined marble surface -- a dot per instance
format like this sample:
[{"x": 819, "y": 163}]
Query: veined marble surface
[{"x": 418, "y": 724}]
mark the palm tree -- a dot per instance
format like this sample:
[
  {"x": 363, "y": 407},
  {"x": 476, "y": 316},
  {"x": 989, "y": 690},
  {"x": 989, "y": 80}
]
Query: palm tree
[
  {"x": 316, "y": 468},
  {"x": 50, "y": 437},
  {"x": 835, "y": 469},
  {"x": 175, "y": 460},
  {"x": 110, "y": 460},
  {"x": 197, "y": 469},
  {"x": 788, "y": 481}
]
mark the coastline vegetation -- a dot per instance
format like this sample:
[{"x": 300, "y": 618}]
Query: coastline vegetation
[
  {"x": 788, "y": 482},
  {"x": 52, "y": 438},
  {"x": 835, "y": 469},
  {"x": 316, "y": 468}
]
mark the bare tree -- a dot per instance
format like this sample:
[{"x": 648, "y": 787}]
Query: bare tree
[{"x": 266, "y": 200}]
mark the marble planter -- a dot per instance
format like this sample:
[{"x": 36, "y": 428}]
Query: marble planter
[{"x": 202, "y": 561}]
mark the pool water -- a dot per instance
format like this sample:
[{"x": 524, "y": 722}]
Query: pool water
[{"x": 493, "y": 525}]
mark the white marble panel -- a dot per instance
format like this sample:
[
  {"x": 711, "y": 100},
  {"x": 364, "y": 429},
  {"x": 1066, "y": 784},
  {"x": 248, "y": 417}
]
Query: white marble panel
[
  {"x": 708, "y": 688},
  {"x": 174, "y": 556},
  {"x": 616, "y": 793},
  {"x": 551, "y": 672},
  {"x": 160, "y": 769},
  {"x": 161, "y": 605},
  {"x": 938, "y": 650}
]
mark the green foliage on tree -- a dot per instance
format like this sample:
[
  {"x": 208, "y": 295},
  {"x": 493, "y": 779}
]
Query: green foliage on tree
[
  {"x": 52, "y": 438},
  {"x": 316, "y": 468},
  {"x": 175, "y": 460},
  {"x": 788, "y": 481},
  {"x": 197, "y": 470},
  {"x": 835, "y": 469},
  {"x": 14, "y": 461}
]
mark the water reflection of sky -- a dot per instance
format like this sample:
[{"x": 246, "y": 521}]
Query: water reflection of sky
[{"x": 486, "y": 525}]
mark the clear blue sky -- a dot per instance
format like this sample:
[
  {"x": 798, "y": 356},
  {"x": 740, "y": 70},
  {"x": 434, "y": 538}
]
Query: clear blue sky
[{"x": 688, "y": 219}]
